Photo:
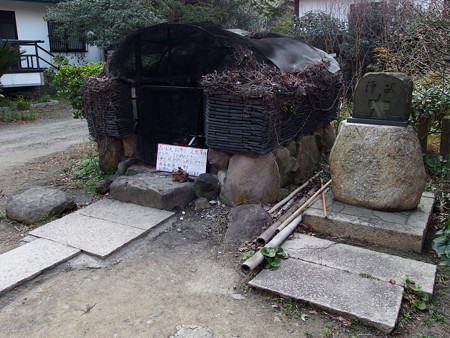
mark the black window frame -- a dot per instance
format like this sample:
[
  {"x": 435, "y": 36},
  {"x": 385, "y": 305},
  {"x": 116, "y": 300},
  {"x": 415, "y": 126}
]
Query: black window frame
[
  {"x": 8, "y": 18},
  {"x": 66, "y": 44}
]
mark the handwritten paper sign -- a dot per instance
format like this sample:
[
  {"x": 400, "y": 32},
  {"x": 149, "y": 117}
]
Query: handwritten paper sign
[{"x": 192, "y": 160}]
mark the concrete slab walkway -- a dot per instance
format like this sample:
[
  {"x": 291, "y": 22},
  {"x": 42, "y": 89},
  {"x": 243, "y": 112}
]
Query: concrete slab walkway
[
  {"x": 354, "y": 282},
  {"x": 28, "y": 261},
  {"x": 371, "y": 301},
  {"x": 100, "y": 230},
  {"x": 104, "y": 227}
]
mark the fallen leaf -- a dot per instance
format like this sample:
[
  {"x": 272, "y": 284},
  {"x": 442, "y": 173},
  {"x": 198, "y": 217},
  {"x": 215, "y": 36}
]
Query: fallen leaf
[{"x": 303, "y": 317}]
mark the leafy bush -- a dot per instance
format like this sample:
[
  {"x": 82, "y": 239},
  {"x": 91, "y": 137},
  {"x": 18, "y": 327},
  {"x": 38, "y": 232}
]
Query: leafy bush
[
  {"x": 5, "y": 102},
  {"x": 441, "y": 244},
  {"x": 430, "y": 103},
  {"x": 9, "y": 55},
  {"x": 22, "y": 103},
  {"x": 69, "y": 79}
]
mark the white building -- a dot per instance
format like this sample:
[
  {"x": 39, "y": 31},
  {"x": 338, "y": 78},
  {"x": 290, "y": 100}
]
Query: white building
[
  {"x": 341, "y": 8},
  {"x": 22, "y": 21}
]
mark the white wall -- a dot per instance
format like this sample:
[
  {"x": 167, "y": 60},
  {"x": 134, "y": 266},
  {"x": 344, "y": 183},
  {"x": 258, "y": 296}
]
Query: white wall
[
  {"x": 22, "y": 79},
  {"x": 31, "y": 26},
  {"x": 338, "y": 8}
]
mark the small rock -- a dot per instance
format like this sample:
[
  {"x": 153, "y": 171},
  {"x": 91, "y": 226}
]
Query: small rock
[
  {"x": 221, "y": 176},
  {"x": 201, "y": 203},
  {"x": 123, "y": 166},
  {"x": 36, "y": 204},
  {"x": 237, "y": 296},
  {"x": 192, "y": 331},
  {"x": 102, "y": 187},
  {"x": 246, "y": 222},
  {"x": 218, "y": 158},
  {"x": 206, "y": 185}
]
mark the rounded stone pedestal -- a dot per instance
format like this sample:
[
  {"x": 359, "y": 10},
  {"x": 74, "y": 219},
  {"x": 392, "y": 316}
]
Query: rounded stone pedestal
[{"x": 377, "y": 167}]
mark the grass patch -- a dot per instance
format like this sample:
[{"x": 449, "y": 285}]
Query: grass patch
[
  {"x": 13, "y": 116},
  {"x": 5, "y": 102},
  {"x": 88, "y": 171}
]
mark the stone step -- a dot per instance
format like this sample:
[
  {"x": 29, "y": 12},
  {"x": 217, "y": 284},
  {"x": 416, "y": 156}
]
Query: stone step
[
  {"x": 28, "y": 261},
  {"x": 105, "y": 226},
  {"x": 373, "y": 302},
  {"x": 399, "y": 230},
  {"x": 351, "y": 281},
  {"x": 360, "y": 261},
  {"x": 152, "y": 189}
]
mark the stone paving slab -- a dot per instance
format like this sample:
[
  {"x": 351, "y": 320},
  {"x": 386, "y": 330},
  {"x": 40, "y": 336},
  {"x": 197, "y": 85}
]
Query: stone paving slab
[
  {"x": 404, "y": 230},
  {"x": 371, "y": 301},
  {"x": 92, "y": 235},
  {"x": 126, "y": 213},
  {"x": 27, "y": 261},
  {"x": 360, "y": 261}
]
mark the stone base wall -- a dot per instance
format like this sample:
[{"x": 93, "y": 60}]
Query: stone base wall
[
  {"x": 259, "y": 179},
  {"x": 244, "y": 179}
]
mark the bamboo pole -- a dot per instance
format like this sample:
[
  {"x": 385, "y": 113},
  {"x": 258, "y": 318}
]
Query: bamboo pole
[
  {"x": 292, "y": 194},
  {"x": 303, "y": 207},
  {"x": 270, "y": 231},
  {"x": 324, "y": 203},
  {"x": 258, "y": 257}
]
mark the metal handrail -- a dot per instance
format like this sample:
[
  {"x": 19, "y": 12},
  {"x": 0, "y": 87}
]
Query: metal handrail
[{"x": 32, "y": 60}]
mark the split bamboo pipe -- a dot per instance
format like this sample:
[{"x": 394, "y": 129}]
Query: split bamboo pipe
[
  {"x": 251, "y": 263},
  {"x": 324, "y": 203},
  {"x": 303, "y": 207},
  {"x": 292, "y": 194},
  {"x": 270, "y": 231}
]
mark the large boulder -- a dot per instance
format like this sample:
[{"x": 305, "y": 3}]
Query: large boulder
[
  {"x": 251, "y": 180},
  {"x": 285, "y": 164},
  {"x": 109, "y": 152},
  {"x": 207, "y": 185},
  {"x": 246, "y": 222},
  {"x": 325, "y": 137},
  {"x": 377, "y": 167},
  {"x": 308, "y": 158},
  {"x": 152, "y": 190},
  {"x": 37, "y": 204}
]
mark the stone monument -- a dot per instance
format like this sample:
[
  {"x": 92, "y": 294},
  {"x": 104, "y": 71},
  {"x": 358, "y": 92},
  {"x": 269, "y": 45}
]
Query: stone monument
[{"x": 376, "y": 161}]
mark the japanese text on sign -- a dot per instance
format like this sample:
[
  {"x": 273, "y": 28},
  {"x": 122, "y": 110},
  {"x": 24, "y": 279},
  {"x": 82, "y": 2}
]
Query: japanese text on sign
[{"x": 192, "y": 160}]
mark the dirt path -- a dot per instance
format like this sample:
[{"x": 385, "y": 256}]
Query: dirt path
[
  {"x": 31, "y": 154},
  {"x": 21, "y": 143}
]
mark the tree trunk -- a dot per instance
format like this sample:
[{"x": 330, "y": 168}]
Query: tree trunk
[{"x": 423, "y": 131}]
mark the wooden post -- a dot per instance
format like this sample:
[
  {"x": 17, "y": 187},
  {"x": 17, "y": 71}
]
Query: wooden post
[{"x": 445, "y": 138}]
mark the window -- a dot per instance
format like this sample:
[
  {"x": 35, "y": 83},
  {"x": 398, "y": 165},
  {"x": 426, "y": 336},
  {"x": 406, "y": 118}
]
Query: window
[
  {"x": 65, "y": 43},
  {"x": 8, "y": 29}
]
